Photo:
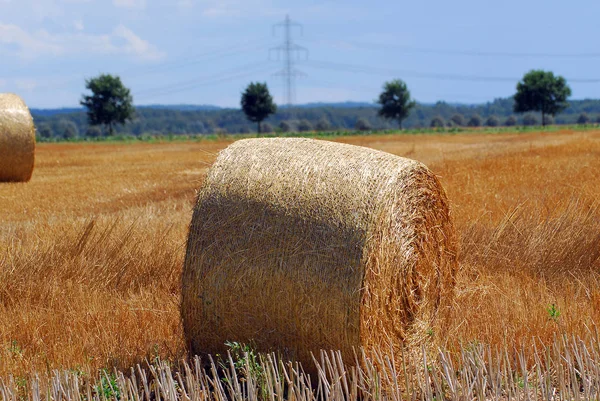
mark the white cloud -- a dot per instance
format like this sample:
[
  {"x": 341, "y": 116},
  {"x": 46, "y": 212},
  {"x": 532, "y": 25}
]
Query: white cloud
[
  {"x": 28, "y": 45},
  {"x": 26, "y": 85},
  {"x": 31, "y": 45},
  {"x": 325, "y": 9},
  {"x": 220, "y": 8},
  {"x": 185, "y": 3},
  {"x": 78, "y": 25},
  {"x": 137, "y": 46},
  {"x": 237, "y": 8},
  {"x": 135, "y": 4}
]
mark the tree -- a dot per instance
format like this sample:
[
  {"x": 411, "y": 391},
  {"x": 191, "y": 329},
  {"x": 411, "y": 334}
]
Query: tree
[
  {"x": 395, "y": 101},
  {"x": 437, "y": 122},
  {"x": 542, "y": 91},
  {"x": 304, "y": 126},
  {"x": 67, "y": 129},
  {"x": 475, "y": 121},
  {"x": 257, "y": 103},
  {"x": 583, "y": 119},
  {"x": 530, "y": 119},
  {"x": 45, "y": 131},
  {"x": 110, "y": 102},
  {"x": 266, "y": 127},
  {"x": 285, "y": 126},
  {"x": 323, "y": 124},
  {"x": 93, "y": 131},
  {"x": 458, "y": 119},
  {"x": 492, "y": 121},
  {"x": 511, "y": 121},
  {"x": 362, "y": 124}
]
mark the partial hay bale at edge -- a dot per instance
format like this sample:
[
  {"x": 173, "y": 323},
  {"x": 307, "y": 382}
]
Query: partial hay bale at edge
[
  {"x": 17, "y": 139},
  {"x": 298, "y": 245}
]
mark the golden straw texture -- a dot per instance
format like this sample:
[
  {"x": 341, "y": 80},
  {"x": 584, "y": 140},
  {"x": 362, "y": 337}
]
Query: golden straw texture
[
  {"x": 298, "y": 245},
  {"x": 17, "y": 139}
]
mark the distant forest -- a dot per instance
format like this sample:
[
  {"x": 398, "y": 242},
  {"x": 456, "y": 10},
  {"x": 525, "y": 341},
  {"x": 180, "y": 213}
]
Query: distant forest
[{"x": 186, "y": 119}]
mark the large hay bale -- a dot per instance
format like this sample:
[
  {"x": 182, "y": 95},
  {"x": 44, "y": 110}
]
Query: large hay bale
[
  {"x": 298, "y": 245},
  {"x": 17, "y": 139}
]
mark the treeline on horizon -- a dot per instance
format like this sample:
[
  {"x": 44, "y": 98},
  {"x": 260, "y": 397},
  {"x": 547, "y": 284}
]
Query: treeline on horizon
[{"x": 168, "y": 121}]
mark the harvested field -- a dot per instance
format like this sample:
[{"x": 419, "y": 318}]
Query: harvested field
[{"x": 91, "y": 249}]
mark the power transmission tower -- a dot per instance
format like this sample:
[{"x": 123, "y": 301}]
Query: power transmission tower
[{"x": 290, "y": 52}]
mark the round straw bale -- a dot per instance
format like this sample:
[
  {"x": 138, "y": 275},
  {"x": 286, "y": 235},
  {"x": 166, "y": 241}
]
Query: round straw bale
[
  {"x": 298, "y": 245},
  {"x": 17, "y": 139}
]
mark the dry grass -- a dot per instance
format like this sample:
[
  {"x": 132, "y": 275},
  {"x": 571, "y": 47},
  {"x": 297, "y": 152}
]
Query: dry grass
[{"x": 91, "y": 249}]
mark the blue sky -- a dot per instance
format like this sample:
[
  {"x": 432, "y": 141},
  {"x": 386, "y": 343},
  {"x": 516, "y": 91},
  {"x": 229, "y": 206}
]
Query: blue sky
[{"x": 206, "y": 51}]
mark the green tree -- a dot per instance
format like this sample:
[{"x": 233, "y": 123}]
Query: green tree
[
  {"x": 304, "y": 125},
  {"x": 67, "y": 129},
  {"x": 458, "y": 119},
  {"x": 395, "y": 101},
  {"x": 266, "y": 127},
  {"x": 437, "y": 122},
  {"x": 492, "y": 121},
  {"x": 530, "y": 119},
  {"x": 362, "y": 124},
  {"x": 45, "y": 131},
  {"x": 511, "y": 121},
  {"x": 110, "y": 102},
  {"x": 93, "y": 131},
  {"x": 542, "y": 91},
  {"x": 285, "y": 126},
  {"x": 583, "y": 118},
  {"x": 475, "y": 121},
  {"x": 257, "y": 103},
  {"x": 323, "y": 124}
]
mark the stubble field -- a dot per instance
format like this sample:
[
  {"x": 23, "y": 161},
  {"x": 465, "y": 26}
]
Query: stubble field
[{"x": 92, "y": 248}]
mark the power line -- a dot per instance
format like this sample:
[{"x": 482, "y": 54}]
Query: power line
[
  {"x": 353, "y": 87},
  {"x": 189, "y": 60},
  {"x": 199, "y": 58},
  {"x": 227, "y": 79},
  {"x": 376, "y": 88},
  {"x": 225, "y": 76},
  {"x": 290, "y": 52},
  {"x": 352, "y": 68},
  {"x": 459, "y": 52},
  {"x": 415, "y": 74}
]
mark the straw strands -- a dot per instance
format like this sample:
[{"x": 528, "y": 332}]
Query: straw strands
[
  {"x": 17, "y": 139},
  {"x": 298, "y": 245}
]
